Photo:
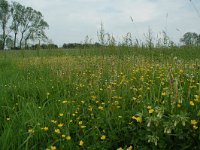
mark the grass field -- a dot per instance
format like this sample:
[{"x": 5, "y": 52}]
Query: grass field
[{"x": 100, "y": 98}]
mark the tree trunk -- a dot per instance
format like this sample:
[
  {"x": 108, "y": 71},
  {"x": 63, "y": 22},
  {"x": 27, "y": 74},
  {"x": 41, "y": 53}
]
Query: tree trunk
[
  {"x": 20, "y": 44},
  {"x": 15, "y": 39},
  {"x": 4, "y": 36}
]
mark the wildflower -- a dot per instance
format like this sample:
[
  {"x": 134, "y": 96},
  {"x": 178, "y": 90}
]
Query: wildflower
[
  {"x": 83, "y": 127},
  {"x": 151, "y": 111},
  {"x": 45, "y": 128},
  {"x": 142, "y": 78},
  {"x": 64, "y": 102},
  {"x": 90, "y": 108},
  {"x": 57, "y": 131},
  {"x": 63, "y": 136},
  {"x": 100, "y": 108},
  {"x": 30, "y": 131},
  {"x": 196, "y": 96},
  {"x": 138, "y": 119},
  {"x": 80, "y": 122},
  {"x": 61, "y": 114},
  {"x": 194, "y": 122},
  {"x": 195, "y": 127},
  {"x": 130, "y": 148},
  {"x": 120, "y": 148},
  {"x": 180, "y": 71},
  {"x": 60, "y": 125},
  {"x": 103, "y": 137},
  {"x": 178, "y": 105},
  {"x": 163, "y": 93},
  {"x": 8, "y": 119},
  {"x": 93, "y": 97},
  {"x": 149, "y": 107},
  {"x": 53, "y": 147},
  {"x": 81, "y": 143},
  {"x": 68, "y": 138},
  {"x": 54, "y": 121},
  {"x": 191, "y": 103}
]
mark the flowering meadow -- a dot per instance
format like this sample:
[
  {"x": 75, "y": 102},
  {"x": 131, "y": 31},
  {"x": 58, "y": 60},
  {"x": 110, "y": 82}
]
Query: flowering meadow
[{"x": 117, "y": 99}]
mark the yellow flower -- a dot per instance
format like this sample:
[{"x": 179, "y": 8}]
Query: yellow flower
[
  {"x": 196, "y": 96},
  {"x": 138, "y": 119},
  {"x": 93, "y": 97},
  {"x": 80, "y": 122},
  {"x": 178, "y": 105},
  {"x": 54, "y": 121},
  {"x": 81, "y": 143},
  {"x": 90, "y": 108},
  {"x": 64, "y": 102},
  {"x": 120, "y": 148},
  {"x": 100, "y": 108},
  {"x": 180, "y": 71},
  {"x": 63, "y": 136},
  {"x": 142, "y": 78},
  {"x": 149, "y": 107},
  {"x": 195, "y": 127},
  {"x": 130, "y": 148},
  {"x": 191, "y": 103},
  {"x": 103, "y": 137},
  {"x": 60, "y": 125},
  {"x": 45, "y": 128},
  {"x": 163, "y": 93},
  {"x": 30, "y": 131},
  {"x": 57, "y": 131},
  {"x": 53, "y": 147},
  {"x": 83, "y": 127},
  {"x": 194, "y": 122},
  {"x": 151, "y": 111},
  {"x": 68, "y": 138},
  {"x": 61, "y": 114},
  {"x": 8, "y": 119}
]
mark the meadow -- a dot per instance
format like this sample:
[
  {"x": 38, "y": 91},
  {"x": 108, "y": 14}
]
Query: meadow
[{"x": 117, "y": 98}]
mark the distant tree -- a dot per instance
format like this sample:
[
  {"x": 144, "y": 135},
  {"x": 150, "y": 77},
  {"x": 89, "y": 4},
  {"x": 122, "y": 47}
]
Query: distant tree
[
  {"x": 149, "y": 39},
  {"x": 37, "y": 29},
  {"x": 190, "y": 38},
  {"x": 101, "y": 35},
  {"x": 4, "y": 18},
  {"x": 26, "y": 22},
  {"x": 17, "y": 15}
]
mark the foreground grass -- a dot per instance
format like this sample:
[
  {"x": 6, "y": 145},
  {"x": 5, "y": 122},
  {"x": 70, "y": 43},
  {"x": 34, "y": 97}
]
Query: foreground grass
[{"x": 100, "y": 99}]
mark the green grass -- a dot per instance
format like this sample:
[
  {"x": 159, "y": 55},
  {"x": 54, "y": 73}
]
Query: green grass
[{"x": 147, "y": 99}]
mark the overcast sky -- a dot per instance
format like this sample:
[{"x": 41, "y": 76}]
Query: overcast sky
[{"x": 72, "y": 20}]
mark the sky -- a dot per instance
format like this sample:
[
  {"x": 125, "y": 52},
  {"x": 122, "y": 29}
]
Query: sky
[{"x": 72, "y": 20}]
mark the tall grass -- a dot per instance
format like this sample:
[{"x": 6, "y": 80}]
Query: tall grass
[{"x": 100, "y": 98}]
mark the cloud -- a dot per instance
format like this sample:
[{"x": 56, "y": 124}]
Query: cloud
[{"x": 72, "y": 20}]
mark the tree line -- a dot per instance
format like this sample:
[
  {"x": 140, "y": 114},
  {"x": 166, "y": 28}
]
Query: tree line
[{"x": 19, "y": 25}]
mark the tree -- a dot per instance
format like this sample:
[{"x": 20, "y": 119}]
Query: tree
[
  {"x": 36, "y": 30},
  {"x": 190, "y": 38},
  {"x": 4, "y": 18},
  {"x": 26, "y": 22},
  {"x": 17, "y": 14}
]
